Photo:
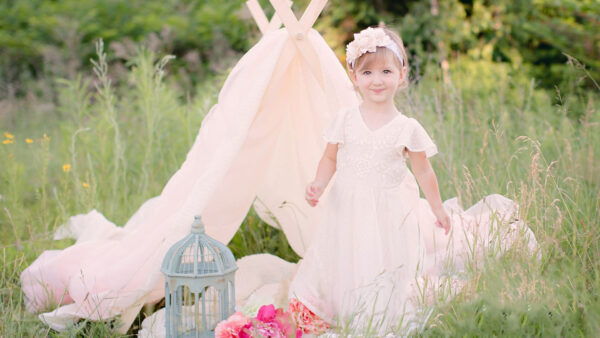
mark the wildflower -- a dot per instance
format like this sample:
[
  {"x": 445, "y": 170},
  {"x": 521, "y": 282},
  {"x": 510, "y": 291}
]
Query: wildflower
[
  {"x": 46, "y": 138},
  {"x": 28, "y": 141},
  {"x": 8, "y": 141},
  {"x": 9, "y": 135},
  {"x": 66, "y": 167},
  {"x": 85, "y": 184}
]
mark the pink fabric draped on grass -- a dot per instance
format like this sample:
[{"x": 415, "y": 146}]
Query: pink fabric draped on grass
[{"x": 262, "y": 139}]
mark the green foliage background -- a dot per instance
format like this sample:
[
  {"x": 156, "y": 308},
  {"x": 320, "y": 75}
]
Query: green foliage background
[
  {"x": 55, "y": 38},
  {"x": 532, "y": 36},
  {"x": 490, "y": 81}
]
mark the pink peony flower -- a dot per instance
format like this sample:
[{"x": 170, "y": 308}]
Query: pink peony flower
[
  {"x": 306, "y": 320},
  {"x": 231, "y": 327},
  {"x": 266, "y": 313},
  {"x": 286, "y": 324},
  {"x": 256, "y": 328}
]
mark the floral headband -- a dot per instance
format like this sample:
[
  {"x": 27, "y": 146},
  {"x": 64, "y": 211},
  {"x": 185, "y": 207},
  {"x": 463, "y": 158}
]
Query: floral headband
[{"x": 367, "y": 41}]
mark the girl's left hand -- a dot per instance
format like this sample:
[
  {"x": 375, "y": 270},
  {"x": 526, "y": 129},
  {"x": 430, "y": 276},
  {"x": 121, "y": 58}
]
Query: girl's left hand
[
  {"x": 314, "y": 190},
  {"x": 443, "y": 220}
]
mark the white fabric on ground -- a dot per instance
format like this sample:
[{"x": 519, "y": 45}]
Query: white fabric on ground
[{"x": 261, "y": 139}]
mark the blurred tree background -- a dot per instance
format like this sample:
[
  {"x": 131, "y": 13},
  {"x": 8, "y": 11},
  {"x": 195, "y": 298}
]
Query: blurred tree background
[
  {"x": 508, "y": 88},
  {"x": 48, "y": 39}
]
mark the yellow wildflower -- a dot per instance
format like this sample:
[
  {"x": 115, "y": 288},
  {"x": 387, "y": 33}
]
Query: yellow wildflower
[
  {"x": 9, "y": 135},
  {"x": 8, "y": 141},
  {"x": 46, "y": 138},
  {"x": 29, "y": 141},
  {"x": 85, "y": 184},
  {"x": 66, "y": 167}
]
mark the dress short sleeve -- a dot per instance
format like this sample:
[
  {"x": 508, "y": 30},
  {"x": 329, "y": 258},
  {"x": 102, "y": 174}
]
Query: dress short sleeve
[
  {"x": 335, "y": 131},
  {"x": 416, "y": 139}
]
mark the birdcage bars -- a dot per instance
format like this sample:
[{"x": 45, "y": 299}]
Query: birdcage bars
[{"x": 199, "y": 284}]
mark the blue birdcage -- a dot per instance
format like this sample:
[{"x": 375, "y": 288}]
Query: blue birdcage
[{"x": 199, "y": 284}]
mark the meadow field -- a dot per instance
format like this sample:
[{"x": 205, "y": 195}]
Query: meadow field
[{"x": 114, "y": 137}]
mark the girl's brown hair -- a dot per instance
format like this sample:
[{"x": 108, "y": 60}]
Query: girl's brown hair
[{"x": 368, "y": 58}]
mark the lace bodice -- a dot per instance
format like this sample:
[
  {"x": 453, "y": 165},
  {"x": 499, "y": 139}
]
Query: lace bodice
[{"x": 375, "y": 157}]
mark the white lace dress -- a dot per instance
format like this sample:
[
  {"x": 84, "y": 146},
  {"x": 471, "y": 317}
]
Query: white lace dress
[{"x": 377, "y": 235}]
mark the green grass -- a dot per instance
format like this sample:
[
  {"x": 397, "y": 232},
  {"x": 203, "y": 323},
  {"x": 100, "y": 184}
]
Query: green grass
[
  {"x": 499, "y": 134},
  {"x": 123, "y": 134}
]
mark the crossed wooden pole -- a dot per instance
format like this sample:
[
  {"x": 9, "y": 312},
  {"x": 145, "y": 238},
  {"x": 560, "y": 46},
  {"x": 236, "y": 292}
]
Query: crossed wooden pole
[
  {"x": 283, "y": 13},
  {"x": 297, "y": 29}
]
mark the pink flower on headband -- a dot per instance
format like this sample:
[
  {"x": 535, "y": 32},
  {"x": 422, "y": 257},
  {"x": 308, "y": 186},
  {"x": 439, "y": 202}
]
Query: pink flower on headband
[{"x": 367, "y": 41}]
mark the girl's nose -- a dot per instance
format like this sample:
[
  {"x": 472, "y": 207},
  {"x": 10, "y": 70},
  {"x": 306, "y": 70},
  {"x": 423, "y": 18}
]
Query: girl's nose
[{"x": 377, "y": 79}]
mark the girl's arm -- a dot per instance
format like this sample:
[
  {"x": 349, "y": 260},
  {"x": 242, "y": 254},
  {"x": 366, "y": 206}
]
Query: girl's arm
[
  {"x": 428, "y": 182},
  {"x": 325, "y": 171}
]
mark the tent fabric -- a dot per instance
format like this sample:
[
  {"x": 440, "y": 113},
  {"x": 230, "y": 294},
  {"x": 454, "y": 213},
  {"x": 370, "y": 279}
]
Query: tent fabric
[{"x": 261, "y": 140}]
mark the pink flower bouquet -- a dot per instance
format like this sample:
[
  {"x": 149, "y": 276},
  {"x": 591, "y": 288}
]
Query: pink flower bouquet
[{"x": 269, "y": 322}]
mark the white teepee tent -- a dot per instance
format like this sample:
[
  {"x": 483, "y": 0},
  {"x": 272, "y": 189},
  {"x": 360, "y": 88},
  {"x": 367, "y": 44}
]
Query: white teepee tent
[{"x": 262, "y": 139}]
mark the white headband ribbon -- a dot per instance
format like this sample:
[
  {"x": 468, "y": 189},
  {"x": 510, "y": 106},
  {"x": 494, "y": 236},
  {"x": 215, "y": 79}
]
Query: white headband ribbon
[{"x": 367, "y": 41}]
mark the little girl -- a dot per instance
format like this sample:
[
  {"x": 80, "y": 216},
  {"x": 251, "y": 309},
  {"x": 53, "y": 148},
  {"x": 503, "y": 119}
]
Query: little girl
[{"x": 370, "y": 246}]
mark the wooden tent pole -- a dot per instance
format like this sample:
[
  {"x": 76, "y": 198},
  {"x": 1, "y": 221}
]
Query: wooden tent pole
[
  {"x": 260, "y": 18},
  {"x": 314, "y": 9},
  {"x": 299, "y": 30}
]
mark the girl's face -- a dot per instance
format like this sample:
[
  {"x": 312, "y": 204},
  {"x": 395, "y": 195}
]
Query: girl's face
[{"x": 378, "y": 80}]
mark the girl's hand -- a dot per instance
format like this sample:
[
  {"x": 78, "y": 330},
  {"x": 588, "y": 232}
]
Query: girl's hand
[
  {"x": 314, "y": 190},
  {"x": 443, "y": 220}
]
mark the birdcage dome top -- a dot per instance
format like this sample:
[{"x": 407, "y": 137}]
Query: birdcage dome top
[{"x": 198, "y": 255}]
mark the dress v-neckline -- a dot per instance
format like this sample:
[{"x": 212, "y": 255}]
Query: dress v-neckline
[{"x": 362, "y": 120}]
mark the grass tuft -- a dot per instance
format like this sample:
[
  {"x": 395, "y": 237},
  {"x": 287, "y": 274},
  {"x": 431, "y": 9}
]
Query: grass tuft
[{"x": 111, "y": 145}]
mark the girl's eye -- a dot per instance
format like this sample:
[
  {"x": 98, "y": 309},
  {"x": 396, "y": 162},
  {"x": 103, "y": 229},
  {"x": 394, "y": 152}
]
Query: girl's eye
[
  {"x": 387, "y": 71},
  {"x": 366, "y": 72}
]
